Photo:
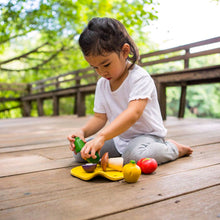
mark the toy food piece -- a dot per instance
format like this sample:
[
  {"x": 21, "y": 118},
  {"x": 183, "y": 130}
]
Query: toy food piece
[
  {"x": 89, "y": 167},
  {"x": 104, "y": 161},
  {"x": 131, "y": 172},
  {"x": 115, "y": 163},
  {"x": 147, "y": 165},
  {"x": 79, "y": 144}
]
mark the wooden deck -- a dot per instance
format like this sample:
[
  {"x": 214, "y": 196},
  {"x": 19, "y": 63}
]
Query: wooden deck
[{"x": 35, "y": 183}]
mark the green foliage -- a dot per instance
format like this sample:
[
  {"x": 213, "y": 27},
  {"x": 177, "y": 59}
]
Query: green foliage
[
  {"x": 54, "y": 26},
  {"x": 39, "y": 38},
  {"x": 204, "y": 100},
  {"x": 67, "y": 106},
  {"x": 90, "y": 104}
]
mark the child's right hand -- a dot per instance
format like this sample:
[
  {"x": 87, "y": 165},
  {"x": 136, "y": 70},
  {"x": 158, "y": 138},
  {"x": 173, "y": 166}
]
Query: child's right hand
[{"x": 72, "y": 137}]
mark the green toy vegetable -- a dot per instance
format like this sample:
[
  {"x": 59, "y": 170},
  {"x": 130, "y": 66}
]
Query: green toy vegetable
[{"x": 79, "y": 144}]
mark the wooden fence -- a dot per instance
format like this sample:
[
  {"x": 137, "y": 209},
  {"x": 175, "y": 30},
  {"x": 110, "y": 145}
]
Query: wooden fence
[
  {"x": 82, "y": 82},
  {"x": 186, "y": 76}
]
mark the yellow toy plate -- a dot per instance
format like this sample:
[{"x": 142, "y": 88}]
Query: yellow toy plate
[{"x": 109, "y": 173}]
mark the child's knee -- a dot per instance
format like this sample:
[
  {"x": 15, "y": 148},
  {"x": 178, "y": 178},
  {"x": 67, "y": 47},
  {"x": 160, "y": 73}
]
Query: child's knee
[{"x": 134, "y": 152}]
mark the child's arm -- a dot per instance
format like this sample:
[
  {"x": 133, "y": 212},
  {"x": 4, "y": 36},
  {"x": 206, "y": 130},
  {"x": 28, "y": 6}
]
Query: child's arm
[
  {"x": 96, "y": 123},
  {"x": 122, "y": 123}
]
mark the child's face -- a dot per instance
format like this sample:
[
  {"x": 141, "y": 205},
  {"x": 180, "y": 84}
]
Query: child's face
[{"x": 111, "y": 66}]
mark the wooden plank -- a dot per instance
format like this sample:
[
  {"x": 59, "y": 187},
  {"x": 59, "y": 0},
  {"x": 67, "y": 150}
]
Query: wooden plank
[
  {"x": 17, "y": 87},
  {"x": 109, "y": 198},
  {"x": 9, "y": 99},
  {"x": 90, "y": 88},
  {"x": 52, "y": 131},
  {"x": 201, "y": 205},
  {"x": 27, "y": 164},
  {"x": 167, "y": 77},
  {"x": 43, "y": 130},
  {"x": 44, "y": 159},
  {"x": 74, "y": 78},
  {"x": 52, "y": 153},
  {"x": 37, "y": 183}
]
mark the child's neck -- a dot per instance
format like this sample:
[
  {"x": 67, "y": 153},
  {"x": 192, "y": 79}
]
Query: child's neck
[{"x": 116, "y": 84}]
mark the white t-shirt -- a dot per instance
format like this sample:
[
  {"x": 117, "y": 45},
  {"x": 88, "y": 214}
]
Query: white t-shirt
[{"x": 137, "y": 85}]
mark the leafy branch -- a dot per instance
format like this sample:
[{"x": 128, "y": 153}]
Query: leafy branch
[
  {"x": 23, "y": 55},
  {"x": 38, "y": 66}
]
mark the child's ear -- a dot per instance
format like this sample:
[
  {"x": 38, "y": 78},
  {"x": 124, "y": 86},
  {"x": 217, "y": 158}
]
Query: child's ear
[{"x": 125, "y": 50}]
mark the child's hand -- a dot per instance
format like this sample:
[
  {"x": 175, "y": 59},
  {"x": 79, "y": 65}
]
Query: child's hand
[
  {"x": 71, "y": 139},
  {"x": 91, "y": 147}
]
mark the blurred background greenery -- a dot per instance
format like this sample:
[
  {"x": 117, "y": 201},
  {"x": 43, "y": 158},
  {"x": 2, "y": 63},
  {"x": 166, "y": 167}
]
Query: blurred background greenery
[{"x": 38, "y": 39}]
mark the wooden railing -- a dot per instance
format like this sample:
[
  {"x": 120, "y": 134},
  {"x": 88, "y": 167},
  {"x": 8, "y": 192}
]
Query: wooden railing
[
  {"x": 76, "y": 78},
  {"x": 186, "y": 53},
  {"x": 185, "y": 76},
  {"x": 82, "y": 82},
  {"x": 17, "y": 90}
]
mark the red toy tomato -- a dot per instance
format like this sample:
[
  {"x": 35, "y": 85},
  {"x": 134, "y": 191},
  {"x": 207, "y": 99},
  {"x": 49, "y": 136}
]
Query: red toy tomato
[{"x": 147, "y": 165}]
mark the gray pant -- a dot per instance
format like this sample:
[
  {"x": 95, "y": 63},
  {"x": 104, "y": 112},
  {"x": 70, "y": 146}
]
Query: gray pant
[{"x": 141, "y": 147}]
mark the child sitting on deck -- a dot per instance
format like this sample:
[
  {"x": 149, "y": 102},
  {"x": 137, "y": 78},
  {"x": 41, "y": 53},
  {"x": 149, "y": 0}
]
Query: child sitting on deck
[{"x": 126, "y": 97}]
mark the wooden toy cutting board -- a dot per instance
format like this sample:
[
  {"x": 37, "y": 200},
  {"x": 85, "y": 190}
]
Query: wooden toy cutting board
[{"x": 109, "y": 173}]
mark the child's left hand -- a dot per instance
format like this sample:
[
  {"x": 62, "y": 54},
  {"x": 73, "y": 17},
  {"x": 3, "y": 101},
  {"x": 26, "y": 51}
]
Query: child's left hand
[{"x": 91, "y": 147}]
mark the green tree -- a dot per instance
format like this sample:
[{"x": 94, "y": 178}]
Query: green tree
[{"x": 38, "y": 38}]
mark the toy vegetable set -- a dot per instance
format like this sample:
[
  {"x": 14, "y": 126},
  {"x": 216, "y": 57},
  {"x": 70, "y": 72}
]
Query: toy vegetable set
[{"x": 112, "y": 168}]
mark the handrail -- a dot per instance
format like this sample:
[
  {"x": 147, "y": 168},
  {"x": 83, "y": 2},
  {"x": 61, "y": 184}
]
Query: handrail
[
  {"x": 186, "y": 56},
  {"x": 182, "y": 47},
  {"x": 76, "y": 81}
]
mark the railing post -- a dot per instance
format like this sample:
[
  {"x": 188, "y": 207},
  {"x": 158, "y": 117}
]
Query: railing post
[
  {"x": 26, "y": 108},
  {"x": 77, "y": 84},
  {"x": 182, "y": 102},
  {"x": 57, "y": 83},
  {"x": 40, "y": 108},
  {"x": 42, "y": 86},
  {"x": 161, "y": 92},
  {"x": 186, "y": 60},
  {"x": 55, "y": 105},
  {"x": 29, "y": 88},
  {"x": 80, "y": 104}
]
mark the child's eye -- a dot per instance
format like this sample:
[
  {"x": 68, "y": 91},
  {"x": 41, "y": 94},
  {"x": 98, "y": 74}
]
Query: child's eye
[{"x": 106, "y": 65}]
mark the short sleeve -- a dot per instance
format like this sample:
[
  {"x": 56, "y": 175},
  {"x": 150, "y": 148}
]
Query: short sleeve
[
  {"x": 141, "y": 87},
  {"x": 99, "y": 105}
]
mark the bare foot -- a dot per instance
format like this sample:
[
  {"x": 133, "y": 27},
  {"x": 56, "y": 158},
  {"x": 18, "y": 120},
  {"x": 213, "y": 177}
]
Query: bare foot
[{"x": 183, "y": 150}]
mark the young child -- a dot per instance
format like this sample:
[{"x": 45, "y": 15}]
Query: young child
[{"x": 126, "y": 97}]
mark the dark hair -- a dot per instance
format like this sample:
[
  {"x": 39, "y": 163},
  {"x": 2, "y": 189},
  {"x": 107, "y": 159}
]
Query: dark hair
[{"x": 106, "y": 35}]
